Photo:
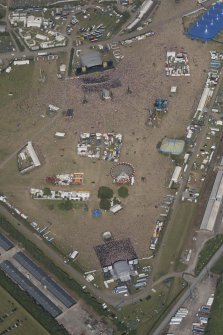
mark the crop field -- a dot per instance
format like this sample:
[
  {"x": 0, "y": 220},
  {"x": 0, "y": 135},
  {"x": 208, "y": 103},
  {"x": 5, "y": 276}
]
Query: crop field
[
  {"x": 14, "y": 316},
  {"x": 24, "y": 118}
]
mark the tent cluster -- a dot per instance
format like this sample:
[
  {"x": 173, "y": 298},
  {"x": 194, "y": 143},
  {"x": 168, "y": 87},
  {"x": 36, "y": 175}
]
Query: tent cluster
[{"x": 209, "y": 24}]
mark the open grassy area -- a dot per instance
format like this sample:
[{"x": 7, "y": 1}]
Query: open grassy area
[
  {"x": 207, "y": 252},
  {"x": 144, "y": 315},
  {"x": 17, "y": 82},
  {"x": 218, "y": 267},
  {"x": 11, "y": 312},
  {"x": 6, "y": 44},
  {"x": 215, "y": 323},
  {"x": 2, "y": 12},
  {"x": 171, "y": 249},
  {"x": 111, "y": 22},
  {"x": 62, "y": 276}
]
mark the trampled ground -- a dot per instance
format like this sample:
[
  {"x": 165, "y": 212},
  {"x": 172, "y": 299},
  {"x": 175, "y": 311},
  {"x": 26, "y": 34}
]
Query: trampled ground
[{"x": 142, "y": 69}]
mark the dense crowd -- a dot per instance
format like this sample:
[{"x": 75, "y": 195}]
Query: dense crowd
[{"x": 114, "y": 251}]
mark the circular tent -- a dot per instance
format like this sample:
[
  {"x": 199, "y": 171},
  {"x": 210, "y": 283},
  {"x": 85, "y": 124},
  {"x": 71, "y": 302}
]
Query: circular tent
[
  {"x": 123, "y": 173},
  {"x": 107, "y": 236}
]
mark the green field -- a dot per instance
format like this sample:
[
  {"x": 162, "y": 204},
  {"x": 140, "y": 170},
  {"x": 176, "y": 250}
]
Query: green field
[
  {"x": 207, "y": 252},
  {"x": 6, "y": 44},
  {"x": 215, "y": 323},
  {"x": 62, "y": 276},
  {"x": 144, "y": 315},
  {"x": 11, "y": 312},
  {"x": 17, "y": 82},
  {"x": 112, "y": 23},
  {"x": 218, "y": 267},
  {"x": 168, "y": 258}
]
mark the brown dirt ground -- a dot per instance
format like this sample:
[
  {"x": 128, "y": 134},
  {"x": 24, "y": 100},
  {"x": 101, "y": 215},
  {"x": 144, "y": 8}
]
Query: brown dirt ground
[{"x": 143, "y": 70}]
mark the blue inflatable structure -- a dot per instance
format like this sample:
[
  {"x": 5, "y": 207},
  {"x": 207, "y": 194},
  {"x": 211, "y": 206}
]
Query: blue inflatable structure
[
  {"x": 208, "y": 25},
  {"x": 96, "y": 213}
]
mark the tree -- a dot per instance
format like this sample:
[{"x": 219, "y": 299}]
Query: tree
[
  {"x": 123, "y": 192},
  {"x": 66, "y": 205},
  {"x": 105, "y": 204},
  {"x": 47, "y": 191},
  {"x": 105, "y": 192}
]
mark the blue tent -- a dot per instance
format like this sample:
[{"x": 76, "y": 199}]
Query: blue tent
[
  {"x": 96, "y": 213},
  {"x": 208, "y": 25}
]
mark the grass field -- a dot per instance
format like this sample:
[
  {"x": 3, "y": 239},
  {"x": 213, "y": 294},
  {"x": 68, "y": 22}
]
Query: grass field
[
  {"x": 218, "y": 267},
  {"x": 112, "y": 23},
  {"x": 207, "y": 252},
  {"x": 169, "y": 256},
  {"x": 215, "y": 323},
  {"x": 141, "y": 317},
  {"x": 6, "y": 44},
  {"x": 11, "y": 312},
  {"x": 17, "y": 82}
]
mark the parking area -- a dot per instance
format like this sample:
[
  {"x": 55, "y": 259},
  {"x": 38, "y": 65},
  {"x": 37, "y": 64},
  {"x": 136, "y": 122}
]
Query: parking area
[{"x": 199, "y": 297}]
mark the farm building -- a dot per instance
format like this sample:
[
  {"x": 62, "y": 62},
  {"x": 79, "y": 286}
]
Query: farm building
[
  {"x": 117, "y": 258},
  {"x": 172, "y": 146},
  {"x": 90, "y": 59}
]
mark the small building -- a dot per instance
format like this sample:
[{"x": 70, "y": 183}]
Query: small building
[
  {"x": 73, "y": 254},
  {"x": 2, "y": 28},
  {"x": 21, "y": 62},
  {"x": 90, "y": 59},
  {"x": 58, "y": 134},
  {"x": 176, "y": 174},
  {"x": 116, "y": 208},
  {"x": 42, "y": 37},
  {"x": 173, "y": 89},
  {"x": 172, "y": 146},
  {"x": 34, "y": 22},
  {"x": 62, "y": 68},
  {"x": 106, "y": 95}
]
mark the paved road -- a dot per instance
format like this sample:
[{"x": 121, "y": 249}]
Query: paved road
[
  {"x": 188, "y": 292},
  {"x": 199, "y": 143},
  {"x": 106, "y": 295}
]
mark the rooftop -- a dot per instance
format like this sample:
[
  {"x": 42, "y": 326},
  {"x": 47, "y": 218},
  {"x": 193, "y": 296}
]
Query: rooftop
[
  {"x": 209, "y": 24},
  {"x": 90, "y": 59},
  {"x": 172, "y": 146}
]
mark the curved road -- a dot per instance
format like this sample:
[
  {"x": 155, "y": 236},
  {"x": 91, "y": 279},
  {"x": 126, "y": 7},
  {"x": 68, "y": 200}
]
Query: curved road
[{"x": 107, "y": 296}]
